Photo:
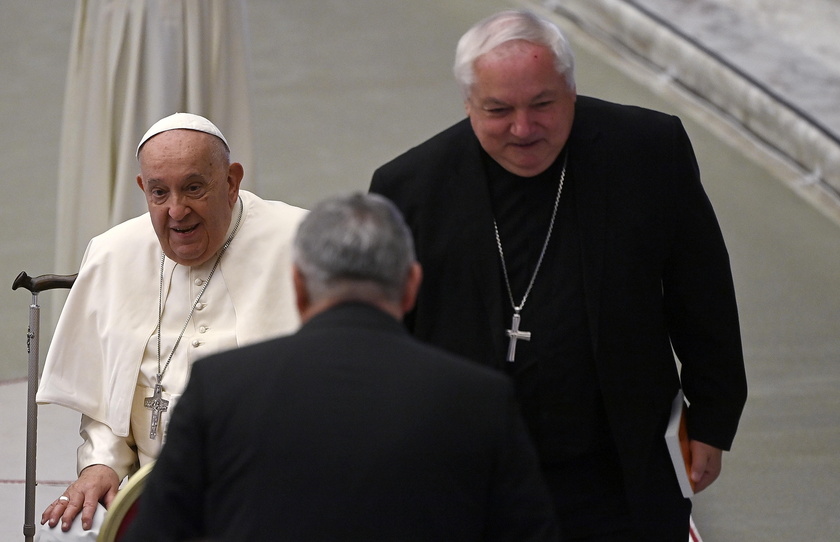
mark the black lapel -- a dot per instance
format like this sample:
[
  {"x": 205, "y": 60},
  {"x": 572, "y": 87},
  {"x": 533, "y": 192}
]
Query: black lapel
[
  {"x": 591, "y": 173},
  {"x": 474, "y": 212}
]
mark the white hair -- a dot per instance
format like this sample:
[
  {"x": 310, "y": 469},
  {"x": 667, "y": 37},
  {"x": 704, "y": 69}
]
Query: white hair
[{"x": 504, "y": 27}]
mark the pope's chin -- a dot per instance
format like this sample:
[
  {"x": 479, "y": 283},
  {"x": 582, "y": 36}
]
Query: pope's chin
[
  {"x": 187, "y": 255},
  {"x": 184, "y": 252}
]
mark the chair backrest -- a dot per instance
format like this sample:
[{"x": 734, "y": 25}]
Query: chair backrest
[{"x": 124, "y": 508}]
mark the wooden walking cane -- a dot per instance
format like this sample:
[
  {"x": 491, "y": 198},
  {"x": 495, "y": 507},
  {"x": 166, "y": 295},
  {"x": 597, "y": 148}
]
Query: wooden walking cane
[{"x": 34, "y": 285}]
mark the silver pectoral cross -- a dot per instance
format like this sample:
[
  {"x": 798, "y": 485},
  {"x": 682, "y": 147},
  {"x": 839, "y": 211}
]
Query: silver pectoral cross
[
  {"x": 515, "y": 335},
  {"x": 157, "y": 404}
]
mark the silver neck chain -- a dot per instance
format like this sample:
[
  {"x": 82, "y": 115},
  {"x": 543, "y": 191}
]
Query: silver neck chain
[
  {"x": 161, "y": 372},
  {"x": 517, "y": 308}
]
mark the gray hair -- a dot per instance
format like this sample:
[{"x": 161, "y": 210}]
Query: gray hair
[
  {"x": 507, "y": 26},
  {"x": 354, "y": 246}
]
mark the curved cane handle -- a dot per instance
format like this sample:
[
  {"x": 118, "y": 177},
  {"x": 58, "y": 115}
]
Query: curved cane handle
[{"x": 43, "y": 282}]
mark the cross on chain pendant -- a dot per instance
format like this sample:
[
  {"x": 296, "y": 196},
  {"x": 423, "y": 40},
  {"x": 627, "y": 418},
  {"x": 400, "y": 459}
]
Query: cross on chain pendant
[
  {"x": 157, "y": 404},
  {"x": 515, "y": 335}
]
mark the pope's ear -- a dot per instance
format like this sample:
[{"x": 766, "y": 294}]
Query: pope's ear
[
  {"x": 235, "y": 174},
  {"x": 140, "y": 183}
]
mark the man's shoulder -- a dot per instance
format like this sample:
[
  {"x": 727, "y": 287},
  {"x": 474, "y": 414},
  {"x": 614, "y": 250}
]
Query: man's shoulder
[
  {"x": 452, "y": 369},
  {"x": 266, "y": 349},
  {"x": 242, "y": 365},
  {"x": 449, "y": 142},
  {"x": 590, "y": 110},
  {"x": 416, "y": 174}
]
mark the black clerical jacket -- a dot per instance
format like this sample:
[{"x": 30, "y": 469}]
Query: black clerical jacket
[
  {"x": 349, "y": 429},
  {"x": 656, "y": 275}
]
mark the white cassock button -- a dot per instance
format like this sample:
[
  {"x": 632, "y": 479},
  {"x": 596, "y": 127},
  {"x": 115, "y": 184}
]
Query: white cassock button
[
  {"x": 202, "y": 329},
  {"x": 200, "y": 306},
  {"x": 196, "y": 343},
  {"x": 199, "y": 282}
]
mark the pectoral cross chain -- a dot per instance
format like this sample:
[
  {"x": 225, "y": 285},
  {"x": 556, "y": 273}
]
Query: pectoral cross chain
[
  {"x": 514, "y": 332},
  {"x": 157, "y": 404},
  {"x": 514, "y": 335}
]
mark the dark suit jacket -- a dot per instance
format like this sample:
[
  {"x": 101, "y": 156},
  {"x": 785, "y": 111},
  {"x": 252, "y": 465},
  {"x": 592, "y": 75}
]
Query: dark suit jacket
[
  {"x": 656, "y": 275},
  {"x": 348, "y": 430}
]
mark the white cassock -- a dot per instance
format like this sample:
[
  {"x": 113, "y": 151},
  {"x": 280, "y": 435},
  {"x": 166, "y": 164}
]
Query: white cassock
[
  {"x": 102, "y": 360},
  {"x": 133, "y": 62}
]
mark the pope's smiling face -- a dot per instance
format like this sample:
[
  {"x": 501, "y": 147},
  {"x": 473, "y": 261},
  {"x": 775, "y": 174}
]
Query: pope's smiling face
[
  {"x": 191, "y": 189},
  {"x": 520, "y": 107}
]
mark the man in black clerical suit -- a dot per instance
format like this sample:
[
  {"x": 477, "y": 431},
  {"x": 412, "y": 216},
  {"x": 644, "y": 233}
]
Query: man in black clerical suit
[
  {"x": 568, "y": 242},
  {"x": 350, "y": 429}
]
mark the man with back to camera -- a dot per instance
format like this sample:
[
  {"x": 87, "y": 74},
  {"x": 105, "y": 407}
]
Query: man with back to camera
[
  {"x": 155, "y": 293},
  {"x": 568, "y": 242},
  {"x": 364, "y": 432}
]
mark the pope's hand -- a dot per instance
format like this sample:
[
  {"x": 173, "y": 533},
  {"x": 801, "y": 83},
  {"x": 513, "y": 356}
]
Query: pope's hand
[{"x": 96, "y": 483}]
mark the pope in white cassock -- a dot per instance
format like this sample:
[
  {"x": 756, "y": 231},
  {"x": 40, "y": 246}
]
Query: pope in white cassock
[
  {"x": 132, "y": 62},
  {"x": 208, "y": 268}
]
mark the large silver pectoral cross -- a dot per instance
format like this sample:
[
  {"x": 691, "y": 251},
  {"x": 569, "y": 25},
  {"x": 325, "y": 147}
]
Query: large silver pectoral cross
[
  {"x": 515, "y": 335},
  {"x": 157, "y": 404}
]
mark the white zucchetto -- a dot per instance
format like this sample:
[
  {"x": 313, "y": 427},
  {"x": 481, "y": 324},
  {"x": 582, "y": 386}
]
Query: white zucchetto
[{"x": 181, "y": 121}]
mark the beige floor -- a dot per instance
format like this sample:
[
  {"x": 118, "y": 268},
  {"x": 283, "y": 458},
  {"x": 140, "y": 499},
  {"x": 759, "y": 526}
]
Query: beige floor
[{"x": 339, "y": 90}]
